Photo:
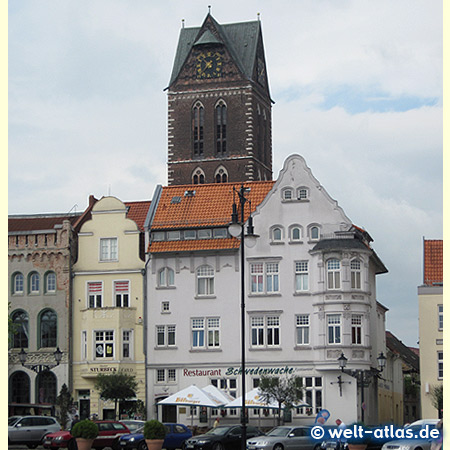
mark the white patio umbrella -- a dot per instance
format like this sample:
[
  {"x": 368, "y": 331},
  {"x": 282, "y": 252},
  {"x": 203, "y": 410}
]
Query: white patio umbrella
[
  {"x": 253, "y": 399},
  {"x": 223, "y": 396},
  {"x": 192, "y": 396}
]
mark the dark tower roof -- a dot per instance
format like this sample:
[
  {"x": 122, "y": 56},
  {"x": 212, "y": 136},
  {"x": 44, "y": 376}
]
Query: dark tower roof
[{"x": 241, "y": 40}]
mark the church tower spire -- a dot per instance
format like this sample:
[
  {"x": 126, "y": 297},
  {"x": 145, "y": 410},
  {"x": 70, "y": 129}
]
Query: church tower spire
[{"x": 219, "y": 105}]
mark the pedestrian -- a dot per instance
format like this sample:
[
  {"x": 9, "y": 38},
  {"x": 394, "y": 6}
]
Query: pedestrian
[
  {"x": 216, "y": 422},
  {"x": 436, "y": 444},
  {"x": 76, "y": 419},
  {"x": 342, "y": 440}
]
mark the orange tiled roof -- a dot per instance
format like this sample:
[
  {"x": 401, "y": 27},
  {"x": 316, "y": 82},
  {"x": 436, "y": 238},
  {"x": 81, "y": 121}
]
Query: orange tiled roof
[
  {"x": 197, "y": 244},
  {"x": 137, "y": 211},
  {"x": 210, "y": 206},
  {"x": 433, "y": 253}
]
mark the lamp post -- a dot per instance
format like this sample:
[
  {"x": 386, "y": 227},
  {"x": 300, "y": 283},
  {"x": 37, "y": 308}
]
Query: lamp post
[
  {"x": 362, "y": 376},
  {"x": 236, "y": 228},
  {"x": 38, "y": 368}
]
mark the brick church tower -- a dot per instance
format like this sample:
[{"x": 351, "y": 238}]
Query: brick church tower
[{"x": 219, "y": 106}]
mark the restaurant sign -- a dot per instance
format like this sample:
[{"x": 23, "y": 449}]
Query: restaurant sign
[{"x": 233, "y": 371}]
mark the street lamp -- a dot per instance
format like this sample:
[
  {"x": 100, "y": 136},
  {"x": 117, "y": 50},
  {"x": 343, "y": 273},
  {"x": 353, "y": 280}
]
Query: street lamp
[
  {"x": 236, "y": 228},
  {"x": 38, "y": 368},
  {"x": 363, "y": 376}
]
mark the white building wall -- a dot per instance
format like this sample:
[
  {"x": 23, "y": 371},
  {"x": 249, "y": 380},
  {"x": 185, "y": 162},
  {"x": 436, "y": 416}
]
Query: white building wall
[{"x": 317, "y": 361}]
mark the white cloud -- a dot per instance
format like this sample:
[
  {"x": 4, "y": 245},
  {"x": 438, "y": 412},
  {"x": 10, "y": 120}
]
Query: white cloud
[{"x": 87, "y": 111}]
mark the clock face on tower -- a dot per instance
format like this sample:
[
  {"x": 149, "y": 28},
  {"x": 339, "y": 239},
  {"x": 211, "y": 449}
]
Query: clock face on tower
[{"x": 209, "y": 65}]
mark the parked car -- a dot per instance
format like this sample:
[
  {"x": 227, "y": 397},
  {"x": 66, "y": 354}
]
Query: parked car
[
  {"x": 30, "y": 430},
  {"x": 133, "y": 425},
  {"x": 109, "y": 432},
  {"x": 413, "y": 444},
  {"x": 284, "y": 438},
  {"x": 176, "y": 435},
  {"x": 223, "y": 437}
]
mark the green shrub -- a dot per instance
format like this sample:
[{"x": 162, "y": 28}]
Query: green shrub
[
  {"x": 153, "y": 429},
  {"x": 85, "y": 429}
]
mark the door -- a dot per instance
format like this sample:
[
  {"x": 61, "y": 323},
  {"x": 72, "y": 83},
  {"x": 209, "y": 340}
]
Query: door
[
  {"x": 169, "y": 413},
  {"x": 85, "y": 409}
]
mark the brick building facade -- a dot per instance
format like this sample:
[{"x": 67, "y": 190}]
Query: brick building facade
[{"x": 219, "y": 106}]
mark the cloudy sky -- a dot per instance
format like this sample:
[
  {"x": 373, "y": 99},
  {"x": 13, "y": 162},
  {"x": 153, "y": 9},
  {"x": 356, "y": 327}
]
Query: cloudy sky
[{"x": 357, "y": 86}]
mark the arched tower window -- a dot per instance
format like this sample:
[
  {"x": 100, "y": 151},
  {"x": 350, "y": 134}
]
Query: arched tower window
[
  {"x": 221, "y": 128},
  {"x": 198, "y": 177},
  {"x": 221, "y": 175},
  {"x": 198, "y": 122}
]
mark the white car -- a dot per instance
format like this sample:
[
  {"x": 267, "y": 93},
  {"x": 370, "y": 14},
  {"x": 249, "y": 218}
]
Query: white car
[{"x": 413, "y": 443}]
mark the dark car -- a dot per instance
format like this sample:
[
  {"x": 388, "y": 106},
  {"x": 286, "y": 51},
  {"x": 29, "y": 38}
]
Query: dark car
[
  {"x": 176, "y": 434},
  {"x": 30, "y": 430},
  {"x": 223, "y": 437},
  {"x": 109, "y": 432}
]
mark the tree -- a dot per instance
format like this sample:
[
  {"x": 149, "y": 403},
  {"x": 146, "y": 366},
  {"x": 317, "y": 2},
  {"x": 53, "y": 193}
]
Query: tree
[
  {"x": 286, "y": 390},
  {"x": 437, "y": 395},
  {"x": 116, "y": 386},
  {"x": 64, "y": 401}
]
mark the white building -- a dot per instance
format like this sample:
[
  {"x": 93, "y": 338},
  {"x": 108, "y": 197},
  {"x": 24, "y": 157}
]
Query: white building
[{"x": 310, "y": 296}]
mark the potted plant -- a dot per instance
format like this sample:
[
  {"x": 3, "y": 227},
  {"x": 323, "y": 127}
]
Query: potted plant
[
  {"x": 84, "y": 433},
  {"x": 154, "y": 434}
]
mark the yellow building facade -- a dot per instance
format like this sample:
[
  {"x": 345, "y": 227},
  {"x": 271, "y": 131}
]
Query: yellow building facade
[
  {"x": 108, "y": 304},
  {"x": 431, "y": 324}
]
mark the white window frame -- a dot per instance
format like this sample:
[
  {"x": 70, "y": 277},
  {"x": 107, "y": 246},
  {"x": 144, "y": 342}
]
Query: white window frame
[
  {"x": 291, "y": 233},
  {"x": 160, "y": 375},
  {"x": 276, "y": 234},
  {"x": 104, "y": 342},
  {"x": 357, "y": 329},
  {"x": 205, "y": 333},
  {"x": 334, "y": 274},
  {"x": 287, "y": 194},
  {"x": 166, "y": 277},
  {"x": 302, "y": 193},
  {"x": 165, "y": 307},
  {"x": 49, "y": 288},
  {"x": 302, "y": 325},
  {"x": 168, "y": 335},
  {"x": 205, "y": 281},
  {"x": 84, "y": 347},
  {"x": 127, "y": 342},
  {"x": 301, "y": 276},
  {"x": 334, "y": 329},
  {"x": 355, "y": 274},
  {"x": 173, "y": 235},
  {"x": 96, "y": 296},
  {"x": 35, "y": 283},
  {"x": 310, "y": 233},
  {"x": 265, "y": 331},
  {"x": 265, "y": 278},
  {"x": 108, "y": 252},
  {"x": 313, "y": 395},
  {"x": 121, "y": 295},
  {"x": 18, "y": 287},
  {"x": 171, "y": 375},
  {"x": 440, "y": 317}
]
